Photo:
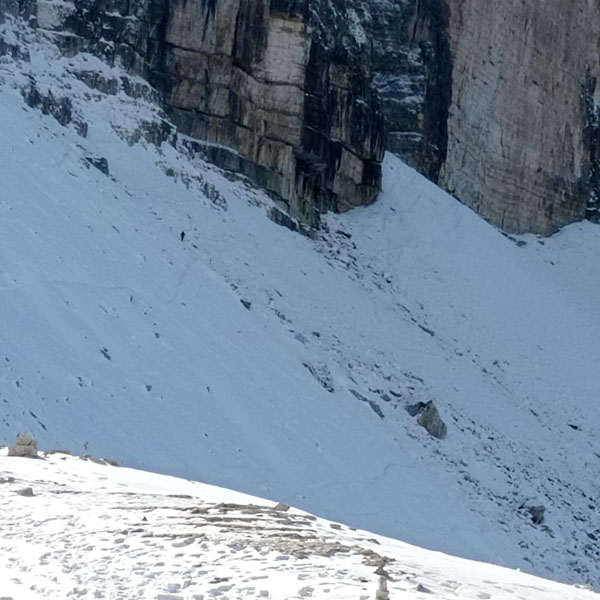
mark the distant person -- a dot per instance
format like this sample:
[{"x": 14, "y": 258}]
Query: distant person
[{"x": 182, "y": 235}]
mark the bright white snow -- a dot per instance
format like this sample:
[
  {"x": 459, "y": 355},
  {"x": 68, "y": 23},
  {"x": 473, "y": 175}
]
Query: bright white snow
[
  {"x": 118, "y": 339},
  {"x": 94, "y": 531}
]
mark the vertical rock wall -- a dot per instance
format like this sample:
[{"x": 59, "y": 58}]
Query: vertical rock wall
[
  {"x": 278, "y": 90},
  {"x": 522, "y": 140},
  {"x": 499, "y": 102},
  {"x": 232, "y": 75},
  {"x": 413, "y": 76}
]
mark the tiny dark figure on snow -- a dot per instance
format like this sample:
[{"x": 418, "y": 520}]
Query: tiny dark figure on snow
[{"x": 182, "y": 235}]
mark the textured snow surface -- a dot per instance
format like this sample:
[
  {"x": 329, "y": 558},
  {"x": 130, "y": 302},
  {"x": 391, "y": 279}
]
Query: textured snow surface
[
  {"x": 253, "y": 358},
  {"x": 94, "y": 531}
]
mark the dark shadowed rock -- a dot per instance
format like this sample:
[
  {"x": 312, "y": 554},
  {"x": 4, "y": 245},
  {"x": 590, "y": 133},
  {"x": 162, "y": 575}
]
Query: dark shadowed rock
[
  {"x": 537, "y": 514},
  {"x": 414, "y": 409},
  {"x": 412, "y": 66},
  {"x": 371, "y": 403},
  {"x": 99, "y": 162},
  {"x": 59, "y": 107},
  {"x": 322, "y": 374}
]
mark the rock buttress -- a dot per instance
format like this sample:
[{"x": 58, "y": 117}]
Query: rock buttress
[
  {"x": 522, "y": 130},
  {"x": 277, "y": 92}
]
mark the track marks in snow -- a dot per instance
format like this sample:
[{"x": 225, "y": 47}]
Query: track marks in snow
[{"x": 86, "y": 533}]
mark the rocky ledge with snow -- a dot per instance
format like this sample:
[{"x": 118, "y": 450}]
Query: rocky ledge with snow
[{"x": 80, "y": 528}]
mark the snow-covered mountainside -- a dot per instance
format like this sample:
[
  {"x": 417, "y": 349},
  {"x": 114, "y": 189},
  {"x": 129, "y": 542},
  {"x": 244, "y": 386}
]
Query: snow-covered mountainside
[
  {"x": 255, "y": 358},
  {"x": 76, "y": 529}
]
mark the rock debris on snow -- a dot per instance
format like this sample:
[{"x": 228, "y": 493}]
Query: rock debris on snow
[
  {"x": 95, "y": 531},
  {"x": 428, "y": 417}
]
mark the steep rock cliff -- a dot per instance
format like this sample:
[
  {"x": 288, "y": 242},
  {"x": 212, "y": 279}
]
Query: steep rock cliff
[
  {"x": 498, "y": 103},
  {"x": 495, "y": 101},
  {"x": 522, "y": 130},
  {"x": 413, "y": 76},
  {"x": 280, "y": 83},
  {"x": 278, "y": 90}
]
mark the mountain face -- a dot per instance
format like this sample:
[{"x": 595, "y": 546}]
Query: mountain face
[
  {"x": 412, "y": 67},
  {"x": 523, "y": 124},
  {"x": 296, "y": 368},
  {"x": 275, "y": 90},
  {"x": 497, "y": 103}
]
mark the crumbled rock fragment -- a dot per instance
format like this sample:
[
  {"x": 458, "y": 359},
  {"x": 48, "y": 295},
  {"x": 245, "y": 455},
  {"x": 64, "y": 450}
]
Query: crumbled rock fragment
[
  {"x": 428, "y": 417},
  {"x": 537, "y": 514}
]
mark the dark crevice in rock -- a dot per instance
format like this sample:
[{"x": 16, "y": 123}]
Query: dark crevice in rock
[
  {"x": 413, "y": 75},
  {"x": 591, "y": 138}
]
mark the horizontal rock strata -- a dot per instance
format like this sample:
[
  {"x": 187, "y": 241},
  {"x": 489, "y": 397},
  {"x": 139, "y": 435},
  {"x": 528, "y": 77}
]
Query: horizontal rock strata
[
  {"x": 278, "y": 90},
  {"x": 497, "y": 102}
]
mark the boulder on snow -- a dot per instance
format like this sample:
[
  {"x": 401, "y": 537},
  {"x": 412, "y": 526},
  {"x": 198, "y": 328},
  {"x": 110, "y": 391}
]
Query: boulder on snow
[
  {"x": 99, "y": 162},
  {"x": 535, "y": 513},
  {"x": 25, "y": 445},
  {"x": 429, "y": 418},
  {"x": 414, "y": 409}
]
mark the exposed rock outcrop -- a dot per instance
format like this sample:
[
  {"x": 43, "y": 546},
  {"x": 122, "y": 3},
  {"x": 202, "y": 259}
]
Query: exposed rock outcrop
[
  {"x": 60, "y": 108},
  {"x": 534, "y": 512},
  {"x": 522, "y": 131},
  {"x": 413, "y": 76},
  {"x": 278, "y": 90},
  {"x": 24, "y": 446},
  {"x": 498, "y": 102}
]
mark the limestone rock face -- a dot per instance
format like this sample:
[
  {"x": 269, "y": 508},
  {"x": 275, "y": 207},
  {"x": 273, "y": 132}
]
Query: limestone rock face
[
  {"x": 495, "y": 101},
  {"x": 498, "y": 102},
  {"x": 523, "y": 122},
  {"x": 278, "y": 90}
]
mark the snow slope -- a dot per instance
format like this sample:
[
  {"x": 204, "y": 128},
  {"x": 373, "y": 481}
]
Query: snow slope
[
  {"x": 94, "y": 531},
  {"x": 254, "y": 358}
]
